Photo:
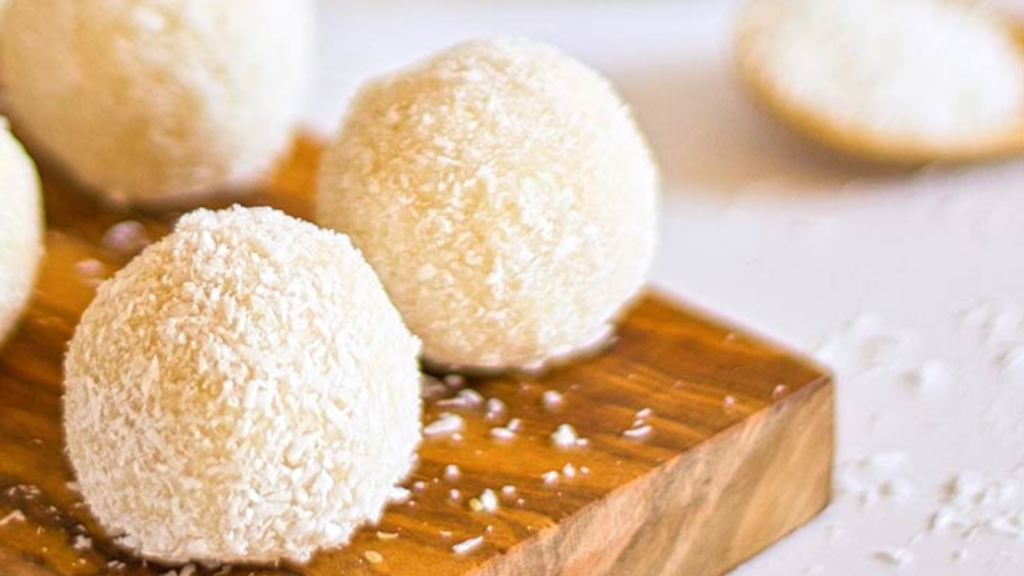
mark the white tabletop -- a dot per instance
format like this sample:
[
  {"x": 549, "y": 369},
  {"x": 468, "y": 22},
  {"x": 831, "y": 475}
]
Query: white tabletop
[{"x": 910, "y": 285}]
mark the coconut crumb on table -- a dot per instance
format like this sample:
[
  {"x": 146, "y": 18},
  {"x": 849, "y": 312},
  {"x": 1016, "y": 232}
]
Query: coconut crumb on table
[{"x": 895, "y": 556}]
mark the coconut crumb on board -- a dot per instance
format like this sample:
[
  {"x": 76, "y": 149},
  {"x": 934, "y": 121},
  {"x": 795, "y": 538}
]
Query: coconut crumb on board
[
  {"x": 502, "y": 433},
  {"x": 552, "y": 400},
  {"x": 126, "y": 238},
  {"x": 467, "y": 546},
  {"x": 15, "y": 516},
  {"x": 445, "y": 425},
  {"x": 638, "y": 433},
  {"x": 565, "y": 436},
  {"x": 452, "y": 473}
]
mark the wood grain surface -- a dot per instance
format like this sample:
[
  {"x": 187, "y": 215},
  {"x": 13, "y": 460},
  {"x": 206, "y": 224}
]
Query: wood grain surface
[{"x": 739, "y": 454}]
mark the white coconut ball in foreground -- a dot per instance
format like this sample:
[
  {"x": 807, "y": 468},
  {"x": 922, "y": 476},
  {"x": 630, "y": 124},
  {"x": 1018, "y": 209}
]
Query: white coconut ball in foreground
[
  {"x": 505, "y": 196},
  {"x": 243, "y": 391},
  {"x": 902, "y": 80},
  {"x": 21, "y": 229},
  {"x": 154, "y": 101}
]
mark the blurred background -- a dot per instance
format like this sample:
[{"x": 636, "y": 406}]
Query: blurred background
[{"x": 910, "y": 283}]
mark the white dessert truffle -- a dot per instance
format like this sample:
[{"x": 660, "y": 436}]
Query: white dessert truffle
[
  {"x": 505, "y": 196},
  {"x": 243, "y": 391},
  {"x": 154, "y": 101},
  {"x": 906, "y": 81},
  {"x": 21, "y": 229}
]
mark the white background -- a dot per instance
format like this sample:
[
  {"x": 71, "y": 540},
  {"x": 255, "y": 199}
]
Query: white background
[{"x": 909, "y": 284}]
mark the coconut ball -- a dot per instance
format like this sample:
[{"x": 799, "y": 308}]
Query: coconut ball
[
  {"x": 504, "y": 195},
  {"x": 242, "y": 391},
  {"x": 21, "y": 229},
  {"x": 151, "y": 101}
]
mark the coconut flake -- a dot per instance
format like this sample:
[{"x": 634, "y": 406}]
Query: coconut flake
[{"x": 467, "y": 546}]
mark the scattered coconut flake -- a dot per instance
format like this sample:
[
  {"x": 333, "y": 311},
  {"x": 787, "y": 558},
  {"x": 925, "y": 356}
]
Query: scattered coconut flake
[
  {"x": 931, "y": 375},
  {"x": 644, "y": 414},
  {"x": 399, "y": 495},
  {"x": 90, "y": 271},
  {"x": 455, "y": 495},
  {"x": 565, "y": 436},
  {"x": 584, "y": 470},
  {"x": 638, "y": 433},
  {"x": 452, "y": 473},
  {"x": 729, "y": 402},
  {"x": 82, "y": 543},
  {"x": 126, "y": 238},
  {"x": 373, "y": 557},
  {"x": 895, "y": 556},
  {"x": 386, "y": 535},
  {"x": 898, "y": 489},
  {"x": 552, "y": 400},
  {"x": 116, "y": 565},
  {"x": 16, "y": 516},
  {"x": 419, "y": 486},
  {"x": 467, "y": 546},
  {"x": 455, "y": 380},
  {"x": 446, "y": 424},
  {"x": 569, "y": 471},
  {"x": 502, "y": 433},
  {"x": 74, "y": 487},
  {"x": 508, "y": 491},
  {"x": 468, "y": 399},
  {"x": 779, "y": 391},
  {"x": 489, "y": 501},
  {"x": 495, "y": 407},
  {"x": 550, "y": 477},
  {"x": 1011, "y": 362},
  {"x": 431, "y": 389},
  {"x": 514, "y": 424}
]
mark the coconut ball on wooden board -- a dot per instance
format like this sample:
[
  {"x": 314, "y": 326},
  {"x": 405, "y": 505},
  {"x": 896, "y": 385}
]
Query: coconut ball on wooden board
[
  {"x": 21, "y": 229},
  {"x": 242, "y": 391},
  {"x": 505, "y": 196},
  {"x": 908, "y": 81},
  {"x": 154, "y": 101}
]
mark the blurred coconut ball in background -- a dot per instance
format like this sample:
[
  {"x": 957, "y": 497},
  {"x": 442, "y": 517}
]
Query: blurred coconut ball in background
[
  {"x": 506, "y": 197},
  {"x": 21, "y": 229},
  {"x": 154, "y": 101}
]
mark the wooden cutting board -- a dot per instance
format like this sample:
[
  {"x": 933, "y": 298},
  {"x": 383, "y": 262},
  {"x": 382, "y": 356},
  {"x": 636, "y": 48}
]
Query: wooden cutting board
[{"x": 739, "y": 451}]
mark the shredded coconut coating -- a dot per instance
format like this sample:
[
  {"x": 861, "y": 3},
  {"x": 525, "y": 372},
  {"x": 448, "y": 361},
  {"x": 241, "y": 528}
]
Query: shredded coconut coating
[
  {"x": 933, "y": 69},
  {"x": 154, "y": 101},
  {"x": 21, "y": 229},
  {"x": 243, "y": 391},
  {"x": 505, "y": 196}
]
